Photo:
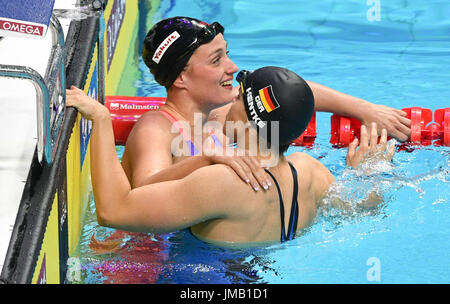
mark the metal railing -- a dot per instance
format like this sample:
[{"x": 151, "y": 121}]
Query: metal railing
[{"x": 50, "y": 93}]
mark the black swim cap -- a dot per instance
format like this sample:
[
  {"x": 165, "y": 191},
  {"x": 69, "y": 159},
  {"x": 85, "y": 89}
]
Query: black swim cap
[
  {"x": 277, "y": 94},
  {"x": 171, "y": 42}
]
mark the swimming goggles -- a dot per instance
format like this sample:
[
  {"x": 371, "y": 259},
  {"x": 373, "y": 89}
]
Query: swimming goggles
[
  {"x": 205, "y": 35},
  {"x": 242, "y": 76}
]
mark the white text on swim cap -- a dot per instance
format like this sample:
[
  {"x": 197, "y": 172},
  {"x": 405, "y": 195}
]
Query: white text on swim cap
[
  {"x": 252, "y": 111},
  {"x": 259, "y": 104},
  {"x": 162, "y": 48}
]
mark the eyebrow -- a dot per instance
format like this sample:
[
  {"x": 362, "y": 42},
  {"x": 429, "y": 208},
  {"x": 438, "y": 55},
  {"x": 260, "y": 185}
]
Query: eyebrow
[{"x": 218, "y": 51}]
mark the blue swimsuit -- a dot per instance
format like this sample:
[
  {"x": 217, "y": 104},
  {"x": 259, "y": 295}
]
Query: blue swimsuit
[{"x": 293, "y": 217}]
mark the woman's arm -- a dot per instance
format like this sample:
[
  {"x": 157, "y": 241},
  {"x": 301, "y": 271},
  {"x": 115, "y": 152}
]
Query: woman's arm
[
  {"x": 159, "y": 207},
  {"x": 109, "y": 181},
  {"x": 393, "y": 120},
  {"x": 246, "y": 167},
  {"x": 144, "y": 167},
  {"x": 162, "y": 206}
]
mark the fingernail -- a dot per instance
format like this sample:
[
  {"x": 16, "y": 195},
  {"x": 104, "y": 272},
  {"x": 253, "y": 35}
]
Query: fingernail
[
  {"x": 265, "y": 186},
  {"x": 247, "y": 180},
  {"x": 269, "y": 183},
  {"x": 255, "y": 186}
]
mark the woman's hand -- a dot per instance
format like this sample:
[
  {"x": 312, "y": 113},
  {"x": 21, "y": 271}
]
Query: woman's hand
[
  {"x": 88, "y": 107},
  {"x": 393, "y": 120},
  {"x": 247, "y": 167},
  {"x": 369, "y": 147}
]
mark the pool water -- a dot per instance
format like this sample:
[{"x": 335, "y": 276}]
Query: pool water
[{"x": 401, "y": 60}]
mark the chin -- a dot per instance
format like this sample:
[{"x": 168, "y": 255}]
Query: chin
[{"x": 222, "y": 101}]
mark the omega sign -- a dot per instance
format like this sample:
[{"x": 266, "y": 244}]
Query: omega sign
[
  {"x": 113, "y": 27},
  {"x": 23, "y": 28}
]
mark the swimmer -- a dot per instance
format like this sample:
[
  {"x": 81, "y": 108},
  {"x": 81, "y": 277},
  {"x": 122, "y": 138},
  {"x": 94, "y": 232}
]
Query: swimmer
[
  {"x": 213, "y": 201},
  {"x": 190, "y": 59}
]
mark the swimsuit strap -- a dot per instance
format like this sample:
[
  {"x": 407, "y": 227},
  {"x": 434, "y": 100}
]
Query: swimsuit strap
[
  {"x": 293, "y": 217},
  {"x": 187, "y": 138},
  {"x": 175, "y": 122},
  {"x": 179, "y": 126},
  {"x": 283, "y": 234},
  {"x": 215, "y": 139}
]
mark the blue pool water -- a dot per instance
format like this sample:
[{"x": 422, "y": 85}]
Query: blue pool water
[{"x": 401, "y": 60}]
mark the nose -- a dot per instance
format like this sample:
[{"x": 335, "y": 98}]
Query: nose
[{"x": 231, "y": 67}]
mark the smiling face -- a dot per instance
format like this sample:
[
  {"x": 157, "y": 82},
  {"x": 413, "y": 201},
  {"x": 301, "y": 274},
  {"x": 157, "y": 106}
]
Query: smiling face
[{"x": 208, "y": 75}]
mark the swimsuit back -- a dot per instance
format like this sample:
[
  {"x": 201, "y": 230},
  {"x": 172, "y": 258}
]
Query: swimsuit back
[{"x": 293, "y": 217}]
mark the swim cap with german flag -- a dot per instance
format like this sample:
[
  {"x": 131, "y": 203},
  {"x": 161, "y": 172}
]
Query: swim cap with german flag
[
  {"x": 277, "y": 94},
  {"x": 170, "y": 43}
]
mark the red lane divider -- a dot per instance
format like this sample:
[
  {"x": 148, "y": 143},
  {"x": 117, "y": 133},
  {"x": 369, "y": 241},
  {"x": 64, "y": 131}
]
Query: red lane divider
[
  {"x": 423, "y": 130},
  {"x": 126, "y": 110},
  {"x": 420, "y": 118},
  {"x": 442, "y": 117},
  {"x": 308, "y": 137},
  {"x": 343, "y": 130}
]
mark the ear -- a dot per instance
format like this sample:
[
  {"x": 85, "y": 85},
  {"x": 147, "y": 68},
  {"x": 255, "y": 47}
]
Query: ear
[{"x": 180, "y": 81}]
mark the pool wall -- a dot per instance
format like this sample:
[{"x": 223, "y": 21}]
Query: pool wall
[{"x": 50, "y": 217}]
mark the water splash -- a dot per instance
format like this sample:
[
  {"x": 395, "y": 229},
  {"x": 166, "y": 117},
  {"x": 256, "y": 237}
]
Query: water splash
[{"x": 347, "y": 197}]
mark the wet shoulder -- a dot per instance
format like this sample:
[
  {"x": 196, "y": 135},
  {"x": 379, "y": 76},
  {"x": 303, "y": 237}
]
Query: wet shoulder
[
  {"x": 303, "y": 160},
  {"x": 150, "y": 133},
  {"x": 218, "y": 176},
  {"x": 311, "y": 172},
  {"x": 152, "y": 119},
  {"x": 219, "y": 182},
  {"x": 152, "y": 125}
]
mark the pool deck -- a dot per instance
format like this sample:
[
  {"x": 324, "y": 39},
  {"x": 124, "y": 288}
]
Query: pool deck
[{"x": 18, "y": 121}]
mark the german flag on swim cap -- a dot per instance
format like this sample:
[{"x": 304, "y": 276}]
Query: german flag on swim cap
[
  {"x": 269, "y": 101},
  {"x": 277, "y": 94}
]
